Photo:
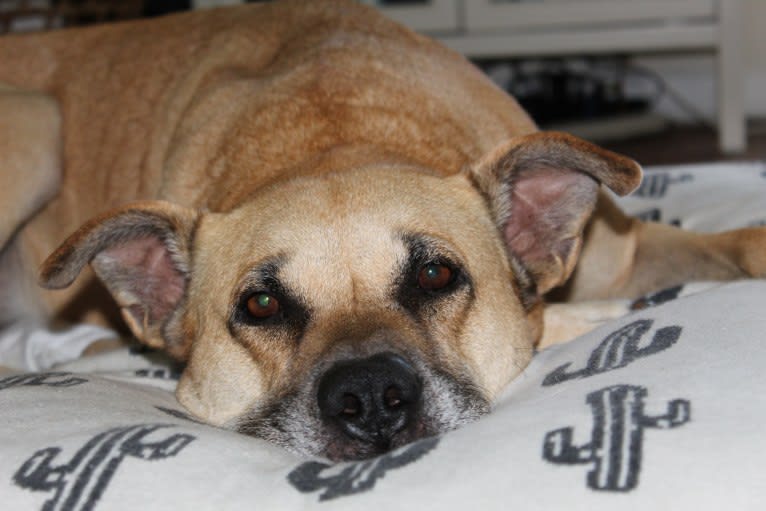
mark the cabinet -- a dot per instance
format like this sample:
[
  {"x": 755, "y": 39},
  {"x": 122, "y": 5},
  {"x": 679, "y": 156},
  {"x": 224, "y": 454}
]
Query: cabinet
[{"x": 547, "y": 28}]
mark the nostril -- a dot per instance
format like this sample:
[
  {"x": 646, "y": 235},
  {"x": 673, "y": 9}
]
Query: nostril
[
  {"x": 371, "y": 399},
  {"x": 351, "y": 405},
  {"x": 392, "y": 397}
]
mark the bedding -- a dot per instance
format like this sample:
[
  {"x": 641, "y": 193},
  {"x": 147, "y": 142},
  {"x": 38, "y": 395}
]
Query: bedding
[{"x": 659, "y": 409}]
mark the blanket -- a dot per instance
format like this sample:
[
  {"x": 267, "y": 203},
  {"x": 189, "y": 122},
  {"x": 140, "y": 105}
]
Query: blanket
[{"x": 659, "y": 409}]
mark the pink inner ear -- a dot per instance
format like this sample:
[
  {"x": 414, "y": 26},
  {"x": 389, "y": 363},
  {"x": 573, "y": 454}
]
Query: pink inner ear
[
  {"x": 548, "y": 208},
  {"x": 145, "y": 269}
]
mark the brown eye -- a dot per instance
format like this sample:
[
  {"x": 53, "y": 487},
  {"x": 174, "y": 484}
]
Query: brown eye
[
  {"x": 434, "y": 276},
  {"x": 262, "y": 305}
]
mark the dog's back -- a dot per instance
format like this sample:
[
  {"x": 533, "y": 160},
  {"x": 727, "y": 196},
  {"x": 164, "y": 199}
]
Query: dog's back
[
  {"x": 283, "y": 81},
  {"x": 206, "y": 107}
]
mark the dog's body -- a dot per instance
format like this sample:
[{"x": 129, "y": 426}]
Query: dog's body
[{"x": 347, "y": 206}]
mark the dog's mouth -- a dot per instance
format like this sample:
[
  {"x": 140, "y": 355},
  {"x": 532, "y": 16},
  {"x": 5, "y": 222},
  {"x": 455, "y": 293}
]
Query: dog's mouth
[{"x": 359, "y": 409}]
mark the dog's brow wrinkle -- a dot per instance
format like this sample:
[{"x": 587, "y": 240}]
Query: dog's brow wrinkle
[
  {"x": 268, "y": 271},
  {"x": 264, "y": 277},
  {"x": 354, "y": 292}
]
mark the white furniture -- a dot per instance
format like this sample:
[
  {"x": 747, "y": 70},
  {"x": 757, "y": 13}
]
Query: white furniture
[{"x": 538, "y": 28}]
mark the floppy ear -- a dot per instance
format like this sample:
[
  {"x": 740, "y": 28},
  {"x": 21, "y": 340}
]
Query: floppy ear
[
  {"x": 542, "y": 189},
  {"x": 141, "y": 254}
]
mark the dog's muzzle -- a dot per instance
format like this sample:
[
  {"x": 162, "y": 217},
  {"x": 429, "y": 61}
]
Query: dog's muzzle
[
  {"x": 371, "y": 400},
  {"x": 357, "y": 407}
]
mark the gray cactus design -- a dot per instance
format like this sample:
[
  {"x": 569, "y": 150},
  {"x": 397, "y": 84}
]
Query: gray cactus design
[
  {"x": 617, "y": 350},
  {"x": 615, "y": 449},
  {"x": 51, "y": 379},
  {"x": 78, "y": 484},
  {"x": 351, "y": 478}
]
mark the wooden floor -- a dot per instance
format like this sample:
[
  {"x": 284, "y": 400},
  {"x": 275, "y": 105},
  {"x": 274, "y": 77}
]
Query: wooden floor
[{"x": 689, "y": 145}]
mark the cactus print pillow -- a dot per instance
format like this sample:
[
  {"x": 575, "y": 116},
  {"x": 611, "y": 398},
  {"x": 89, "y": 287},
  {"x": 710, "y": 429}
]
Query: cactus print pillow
[{"x": 661, "y": 409}]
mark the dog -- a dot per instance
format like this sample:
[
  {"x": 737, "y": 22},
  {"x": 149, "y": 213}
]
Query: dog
[{"x": 343, "y": 229}]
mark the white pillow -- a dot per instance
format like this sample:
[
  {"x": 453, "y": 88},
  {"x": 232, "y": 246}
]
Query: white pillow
[{"x": 662, "y": 409}]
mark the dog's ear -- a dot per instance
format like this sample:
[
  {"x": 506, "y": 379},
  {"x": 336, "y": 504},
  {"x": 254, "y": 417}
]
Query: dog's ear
[
  {"x": 542, "y": 189},
  {"x": 141, "y": 253}
]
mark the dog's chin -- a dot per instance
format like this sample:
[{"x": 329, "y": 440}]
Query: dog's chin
[
  {"x": 338, "y": 447},
  {"x": 294, "y": 423}
]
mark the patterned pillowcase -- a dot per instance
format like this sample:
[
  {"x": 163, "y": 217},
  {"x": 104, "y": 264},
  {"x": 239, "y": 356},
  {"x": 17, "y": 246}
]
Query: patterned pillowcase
[{"x": 662, "y": 408}]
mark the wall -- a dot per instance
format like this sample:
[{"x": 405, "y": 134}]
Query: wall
[{"x": 693, "y": 76}]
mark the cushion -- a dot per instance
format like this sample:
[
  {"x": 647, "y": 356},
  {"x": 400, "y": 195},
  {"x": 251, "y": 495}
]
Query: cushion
[{"x": 659, "y": 409}]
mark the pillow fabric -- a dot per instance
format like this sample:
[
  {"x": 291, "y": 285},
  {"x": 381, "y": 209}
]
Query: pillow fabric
[{"x": 659, "y": 409}]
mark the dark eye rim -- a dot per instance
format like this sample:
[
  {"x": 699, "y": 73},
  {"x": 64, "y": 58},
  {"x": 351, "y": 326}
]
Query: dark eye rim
[
  {"x": 449, "y": 286},
  {"x": 243, "y": 314},
  {"x": 292, "y": 319},
  {"x": 422, "y": 250},
  {"x": 419, "y": 301}
]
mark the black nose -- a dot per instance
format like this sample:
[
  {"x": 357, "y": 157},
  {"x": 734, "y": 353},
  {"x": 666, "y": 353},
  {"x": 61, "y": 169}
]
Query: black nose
[{"x": 371, "y": 399}]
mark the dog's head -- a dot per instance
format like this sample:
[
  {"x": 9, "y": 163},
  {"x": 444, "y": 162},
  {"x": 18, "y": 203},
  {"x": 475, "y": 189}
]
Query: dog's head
[{"x": 345, "y": 314}]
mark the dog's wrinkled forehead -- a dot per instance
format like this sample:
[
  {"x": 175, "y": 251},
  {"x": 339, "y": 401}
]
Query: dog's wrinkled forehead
[{"x": 333, "y": 237}]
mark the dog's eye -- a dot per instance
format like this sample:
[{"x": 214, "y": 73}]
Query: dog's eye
[
  {"x": 262, "y": 306},
  {"x": 434, "y": 276}
]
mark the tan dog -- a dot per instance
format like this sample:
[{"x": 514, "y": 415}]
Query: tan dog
[{"x": 346, "y": 231}]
